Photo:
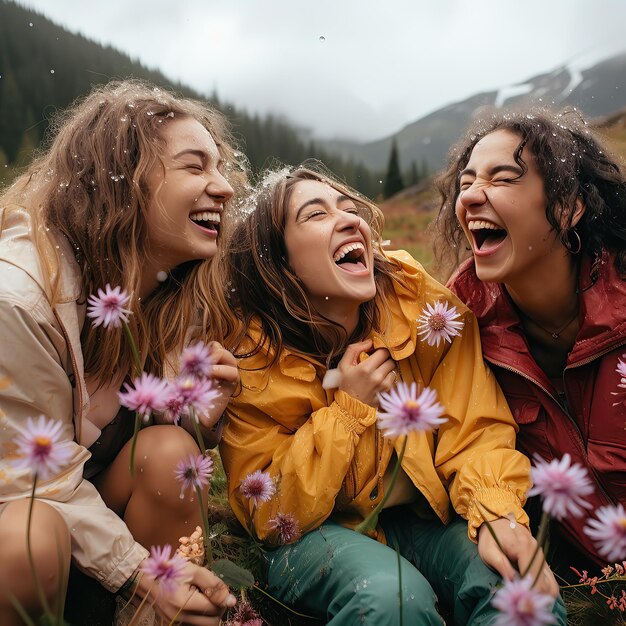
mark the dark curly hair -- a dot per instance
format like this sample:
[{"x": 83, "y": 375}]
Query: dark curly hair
[{"x": 572, "y": 162}]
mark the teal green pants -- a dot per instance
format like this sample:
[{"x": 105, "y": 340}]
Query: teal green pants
[{"x": 349, "y": 579}]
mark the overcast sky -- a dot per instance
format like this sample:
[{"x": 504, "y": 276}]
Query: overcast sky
[{"x": 348, "y": 68}]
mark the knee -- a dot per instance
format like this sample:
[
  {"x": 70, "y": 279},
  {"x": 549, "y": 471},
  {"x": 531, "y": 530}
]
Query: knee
[
  {"x": 374, "y": 599},
  {"x": 50, "y": 545},
  {"x": 159, "y": 450},
  {"x": 163, "y": 446}
]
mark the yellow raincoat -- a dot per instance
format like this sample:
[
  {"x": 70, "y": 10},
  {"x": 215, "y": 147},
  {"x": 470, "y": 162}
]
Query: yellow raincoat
[{"x": 328, "y": 457}]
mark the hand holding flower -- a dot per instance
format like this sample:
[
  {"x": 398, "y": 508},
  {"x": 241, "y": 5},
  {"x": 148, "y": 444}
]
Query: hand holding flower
[{"x": 517, "y": 547}]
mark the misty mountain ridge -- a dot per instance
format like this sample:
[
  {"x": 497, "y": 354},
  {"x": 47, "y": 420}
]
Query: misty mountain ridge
[{"x": 597, "y": 88}]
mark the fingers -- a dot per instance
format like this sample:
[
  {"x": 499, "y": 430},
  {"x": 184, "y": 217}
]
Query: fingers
[
  {"x": 351, "y": 355},
  {"x": 220, "y": 355},
  {"x": 498, "y": 561},
  {"x": 225, "y": 373},
  {"x": 213, "y": 588}
]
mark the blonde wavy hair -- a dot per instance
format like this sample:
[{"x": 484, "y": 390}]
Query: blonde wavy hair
[{"x": 90, "y": 185}]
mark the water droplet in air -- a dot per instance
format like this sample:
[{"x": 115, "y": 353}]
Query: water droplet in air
[
  {"x": 161, "y": 276},
  {"x": 51, "y": 71},
  {"x": 30, "y": 24},
  {"x": 322, "y": 38}
]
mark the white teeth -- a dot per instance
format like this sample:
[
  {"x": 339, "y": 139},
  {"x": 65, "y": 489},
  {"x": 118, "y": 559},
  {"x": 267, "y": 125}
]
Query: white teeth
[
  {"x": 347, "y": 248},
  {"x": 206, "y": 216},
  {"x": 479, "y": 224}
]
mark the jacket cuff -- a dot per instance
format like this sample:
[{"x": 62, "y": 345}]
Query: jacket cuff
[
  {"x": 355, "y": 415},
  {"x": 125, "y": 568},
  {"x": 499, "y": 502}
]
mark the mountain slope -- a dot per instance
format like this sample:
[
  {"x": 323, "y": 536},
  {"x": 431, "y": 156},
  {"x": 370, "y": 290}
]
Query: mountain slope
[{"x": 597, "y": 88}]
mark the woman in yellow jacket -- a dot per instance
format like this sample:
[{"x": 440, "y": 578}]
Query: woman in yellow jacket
[{"x": 313, "y": 291}]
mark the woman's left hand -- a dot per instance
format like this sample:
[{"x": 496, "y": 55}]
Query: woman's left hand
[
  {"x": 519, "y": 545},
  {"x": 225, "y": 374}
]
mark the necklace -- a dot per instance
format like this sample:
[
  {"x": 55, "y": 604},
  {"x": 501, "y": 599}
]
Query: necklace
[{"x": 555, "y": 334}]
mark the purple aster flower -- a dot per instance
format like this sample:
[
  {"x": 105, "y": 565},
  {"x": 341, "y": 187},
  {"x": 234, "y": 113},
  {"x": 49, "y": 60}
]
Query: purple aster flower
[
  {"x": 519, "y": 605},
  {"x": 194, "y": 472},
  {"x": 608, "y": 532},
  {"x": 562, "y": 485},
  {"x": 402, "y": 410},
  {"x": 245, "y": 615},
  {"x": 147, "y": 394},
  {"x": 258, "y": 487},
  {"x": 167, "y": 570},
  {"x": 287, "y": 526},
  {"x": 107, "y": 308},
  {"x": 188, "y": 393},
  {"x": 40, "y": 447},
  {"x": 196, "y": 361},
  {"x": 439, "y": 323}
]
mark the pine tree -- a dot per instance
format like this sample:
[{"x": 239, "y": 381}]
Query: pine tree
[
  {"x": 393, "y": 179},
  {"x": 413, "y": 177}
]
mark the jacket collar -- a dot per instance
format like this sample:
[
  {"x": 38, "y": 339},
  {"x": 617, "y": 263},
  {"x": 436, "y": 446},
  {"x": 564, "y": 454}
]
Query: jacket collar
[{"x": 602, "y": 310}]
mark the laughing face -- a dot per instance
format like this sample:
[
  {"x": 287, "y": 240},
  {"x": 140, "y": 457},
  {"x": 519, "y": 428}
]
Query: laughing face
[
  {"x": 329, "y": 248},
  {"x": 188, "y": 193},
  {"x": 503, "y": 213}
]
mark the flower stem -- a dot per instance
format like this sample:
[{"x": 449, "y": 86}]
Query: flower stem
[
  {"x": 400, "y": 584},
  {"x": 542, "y": 533},
  {"x": 196, "y": 427},
  {"x": 133, "y": 444},
  {"x": 40, "y": 593},
  {"x": 138, "y": 370},
  {"x": 208, "y": 552},
  {"x": 369, "y": 523},
  {"x": 133, "y": 348},
  {"x": 271, "y": 597}
]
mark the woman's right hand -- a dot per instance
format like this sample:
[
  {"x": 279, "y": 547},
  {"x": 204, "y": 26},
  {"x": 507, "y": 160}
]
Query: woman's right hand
[
  {"x": 202, "y": 599},
  {"x": 365, "y": 380}
]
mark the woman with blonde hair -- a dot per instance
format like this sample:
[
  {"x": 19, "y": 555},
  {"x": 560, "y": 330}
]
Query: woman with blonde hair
[
  {"x": 327, "y": 323},
  {"x": 131, "y": 192}
]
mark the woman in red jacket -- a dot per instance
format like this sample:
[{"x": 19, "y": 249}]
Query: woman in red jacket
[{"x": 543, "y": 208}]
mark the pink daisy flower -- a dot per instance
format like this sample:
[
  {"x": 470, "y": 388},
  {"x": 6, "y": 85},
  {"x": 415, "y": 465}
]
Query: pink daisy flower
[
  {"x": 608, "y": 532},
  {"x": 147, "y": 394},
  {"x": 439, "y": 323},
  {"x": 519, "y": 605},
  {"x": 196, "y": 361},
  {"x": 403, "y": 410},
  {"x": 287, "y": 526},
  {"x": 562, "y": 485},
  {"x": 41, "y": 449},
  {"x": 108, "y": 307},
  {"x": 187, "y": 393},
  {"x": 194, "y": 472},
  {"x": 167, "y": 570},
  {"x": 258, "y": 487}
]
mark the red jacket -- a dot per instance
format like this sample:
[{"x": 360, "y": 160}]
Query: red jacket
[{"x": 593, "y": 429}]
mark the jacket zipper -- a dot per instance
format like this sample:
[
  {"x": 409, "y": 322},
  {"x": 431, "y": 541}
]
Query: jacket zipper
[{"x": 571, "y": 419}]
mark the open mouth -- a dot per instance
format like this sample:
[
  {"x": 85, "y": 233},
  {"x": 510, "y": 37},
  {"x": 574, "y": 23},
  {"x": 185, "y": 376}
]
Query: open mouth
[
  {"x": 207, "y": 220},
  {"x": 486, "y": 235},
  {"x": 351, "y": 257}
]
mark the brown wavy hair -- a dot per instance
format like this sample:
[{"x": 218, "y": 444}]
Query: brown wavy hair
[
  {"x": 572, "y": 162},
  {"x": 89, "y": 184},
  {"x": 263, "y": 288}
]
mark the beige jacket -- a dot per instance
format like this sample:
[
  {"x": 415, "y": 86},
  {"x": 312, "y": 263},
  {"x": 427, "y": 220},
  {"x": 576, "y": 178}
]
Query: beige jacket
[{"x": 41, "y": 372}]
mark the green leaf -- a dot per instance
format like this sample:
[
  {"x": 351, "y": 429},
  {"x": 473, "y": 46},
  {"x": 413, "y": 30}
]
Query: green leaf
[{"x": 233, "y": 575}]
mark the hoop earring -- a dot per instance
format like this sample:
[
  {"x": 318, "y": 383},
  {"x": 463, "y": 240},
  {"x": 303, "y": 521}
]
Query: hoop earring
[{"x": 567, "y": 242}]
